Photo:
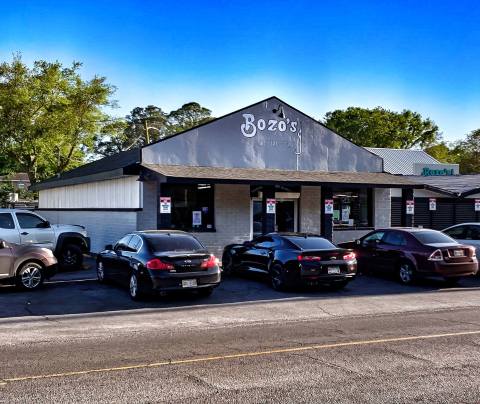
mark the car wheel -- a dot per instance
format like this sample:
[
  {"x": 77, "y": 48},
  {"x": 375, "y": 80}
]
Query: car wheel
[
  {"x": 30, "y": 276},
  {"x": 71, "y": 257},
  {"x": 406, "y": 273},
  {"x": 101, "y": 272},
  {"x": 277, "y": 277},
  {"x": 452, "y": 281},
  {"x": 205, "y": 292},
  {"x": 136, "y": 289},
  {"x": 227, "y": 263},
  {"x": 339, "y": 284}
]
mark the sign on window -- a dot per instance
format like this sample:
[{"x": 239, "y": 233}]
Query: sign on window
[
  {"x": 477, "y": 205},
  {"x": 432, "y": 205},
  {"x": 271, "y": 204},
  {"x": 165, "y": 204},
  {"x": 197, "y": 218}
]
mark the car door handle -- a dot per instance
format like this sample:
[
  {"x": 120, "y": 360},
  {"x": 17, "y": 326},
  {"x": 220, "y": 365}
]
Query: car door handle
[{"x": 24, "y": 233}]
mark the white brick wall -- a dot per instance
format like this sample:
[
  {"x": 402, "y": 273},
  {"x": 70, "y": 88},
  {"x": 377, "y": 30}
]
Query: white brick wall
[
  {"x": 103, "y": 227},
  {"x": 310, "y": 210}
]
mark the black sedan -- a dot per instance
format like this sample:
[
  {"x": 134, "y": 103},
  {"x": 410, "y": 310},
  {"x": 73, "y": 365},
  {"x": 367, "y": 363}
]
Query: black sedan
[
  {"x": 292, "y": 259},
  {"x": 159, "y": 261}
]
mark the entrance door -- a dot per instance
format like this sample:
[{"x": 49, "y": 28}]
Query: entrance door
[{"x": 285, "y": 217}]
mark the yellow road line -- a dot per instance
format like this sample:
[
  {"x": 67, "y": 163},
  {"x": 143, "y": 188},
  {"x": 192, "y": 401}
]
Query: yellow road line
[{"x": 236, "y": 356}]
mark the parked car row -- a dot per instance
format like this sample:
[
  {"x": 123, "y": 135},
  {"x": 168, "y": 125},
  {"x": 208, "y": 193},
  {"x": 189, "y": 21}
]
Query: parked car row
[{"x": 162, "y": 261}]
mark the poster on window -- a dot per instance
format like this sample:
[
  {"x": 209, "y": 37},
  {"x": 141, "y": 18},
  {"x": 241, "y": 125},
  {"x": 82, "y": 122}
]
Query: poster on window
[
  {"x": 197, "y": 218},
  {"x": 477, "y": 205},
  {"x": 271, "y": 203},
  {"x": 329, "y": 206},
  {"x": 410, "y": 207},
  {"x": 165, "y": 204},
  {"x": 432, "y": 205}
]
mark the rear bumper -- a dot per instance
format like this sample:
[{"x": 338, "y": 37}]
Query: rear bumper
[
  {"x": 446, "y": 270},
  {"x": 173, "y": 281},
  {"x": 310, "y": 275}
]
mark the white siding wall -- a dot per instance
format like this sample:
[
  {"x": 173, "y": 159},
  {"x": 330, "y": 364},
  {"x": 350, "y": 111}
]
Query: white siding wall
[{"x": 120, "y": 193}]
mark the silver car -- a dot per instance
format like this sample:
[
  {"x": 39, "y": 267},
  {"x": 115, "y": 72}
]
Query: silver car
[
  {"x": 25, "y": 266},
  {"x": 466, "y": 233}
]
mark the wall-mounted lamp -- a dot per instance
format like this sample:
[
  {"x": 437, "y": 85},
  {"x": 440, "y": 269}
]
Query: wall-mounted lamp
[{"x": 281, "y": 113}]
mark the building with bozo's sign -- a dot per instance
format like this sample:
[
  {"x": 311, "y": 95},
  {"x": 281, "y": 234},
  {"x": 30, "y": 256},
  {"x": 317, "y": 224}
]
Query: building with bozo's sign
[{"x": 267, "y": 167}]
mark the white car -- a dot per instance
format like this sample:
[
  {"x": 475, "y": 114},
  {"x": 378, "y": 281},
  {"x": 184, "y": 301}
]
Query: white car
[{"x": 466, "y": 233}]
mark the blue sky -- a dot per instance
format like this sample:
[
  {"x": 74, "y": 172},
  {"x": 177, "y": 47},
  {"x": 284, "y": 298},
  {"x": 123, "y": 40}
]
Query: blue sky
[{"x": 316, "y": 55}]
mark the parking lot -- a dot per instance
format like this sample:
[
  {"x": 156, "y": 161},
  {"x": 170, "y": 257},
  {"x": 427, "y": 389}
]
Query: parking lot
[{"x": 78, "y": 292}]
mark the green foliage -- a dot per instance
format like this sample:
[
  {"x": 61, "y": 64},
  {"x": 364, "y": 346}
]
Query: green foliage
[
  {"x": 132, "y": 132},
  {"x": 467, "y": 153},
  {"x": 48, "y": 116},
  {"x": 5, "y": 189},
  {"x": 380, "y": 127},
  {"x": 440, "y": 151}
]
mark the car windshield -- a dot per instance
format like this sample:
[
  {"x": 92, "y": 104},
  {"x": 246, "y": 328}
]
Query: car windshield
[
  {"x": 433, "y": 237},
  {"x": 311, "y": 243},
  {"x": 162, "y": 243}
]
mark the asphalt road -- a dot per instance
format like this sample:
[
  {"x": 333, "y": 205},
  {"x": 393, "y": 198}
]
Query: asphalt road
[{"x": 374, "y": 342}]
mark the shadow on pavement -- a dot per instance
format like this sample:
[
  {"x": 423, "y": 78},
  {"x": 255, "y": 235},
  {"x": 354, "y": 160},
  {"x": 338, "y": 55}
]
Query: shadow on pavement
[{"x": 78, "y": 292}]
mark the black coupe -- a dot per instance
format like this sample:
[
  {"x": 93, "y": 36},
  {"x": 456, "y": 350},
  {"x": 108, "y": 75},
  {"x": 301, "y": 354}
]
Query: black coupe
[
  {"x": 159, "y": 261},
  {"x": 291, "y": 259}
]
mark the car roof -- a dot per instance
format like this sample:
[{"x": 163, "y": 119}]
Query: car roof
[
  {"x": 464, "y": 224},
  {"x": 406, "y": 229},
  {"x": 161, "y": 232},
  {"x": 293, "y": 234},
  {"x": 7, "y": 210}
]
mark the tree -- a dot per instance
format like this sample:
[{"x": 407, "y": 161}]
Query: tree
[
  {"x": 49, "y": 115},
  {"x": 145, "y": 125},
  {"x": 380, "y": 127},
  {"x": 440, "y": 151},
  {"x": 6, "y": 189},
  {"x": 467, "y": 153}
]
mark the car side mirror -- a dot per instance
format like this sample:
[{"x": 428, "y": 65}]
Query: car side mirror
[
  {"x": 247, "y": 243},
  {"x": 109, "y": 247},
  {"x": 3, "y": 244},
  {"x": 43, "y": 225},
  {"x": 358, "y": 242}
]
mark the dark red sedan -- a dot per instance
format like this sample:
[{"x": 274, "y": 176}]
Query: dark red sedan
[{"x": 409, "y": 253}]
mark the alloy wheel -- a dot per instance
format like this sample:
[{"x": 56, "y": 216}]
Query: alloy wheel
[
  {"x": 406, "y": 273},
  {"x": 100, "y": 272},
  {"x": 69, "y": 258},
  {"x": 31, "y": 275},
  {"x": 133, "y": 286},
  {"x": 277, "y": 277}
]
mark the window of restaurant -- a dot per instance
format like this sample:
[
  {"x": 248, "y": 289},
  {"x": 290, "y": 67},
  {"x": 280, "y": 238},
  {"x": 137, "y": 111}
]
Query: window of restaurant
[
  {"x": 192, "y": 206},
  {"x": 352, "y": 208}
]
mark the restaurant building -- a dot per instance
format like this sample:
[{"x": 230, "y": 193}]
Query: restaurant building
[{"x": 267, "y": 167}]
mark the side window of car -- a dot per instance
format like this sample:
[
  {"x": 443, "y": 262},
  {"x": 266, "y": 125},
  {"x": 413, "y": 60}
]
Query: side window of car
[
  {"x": 122, "y": 243},
  {"x": 29, "y": 221},
  {"x": 395, "y": 238},
  {"x": 135, "y": 243},
  {"x": 458, "y": 233},
  {"x": 472, "y": 233},
  {"x": 265, "y": 242},
  {"x": 6, "y": 221},
  {"x": 377, "y": 236}
]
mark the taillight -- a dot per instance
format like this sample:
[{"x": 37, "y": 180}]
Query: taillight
[
  {"x": 474, "y": 252},
  {"x": 349, "y": 257},
  {"x": 159, "y": 265},
  {"x": 308, "y": 258},
  {"x": 211, "y": 262},
  {"x": 436, "y": 256}
]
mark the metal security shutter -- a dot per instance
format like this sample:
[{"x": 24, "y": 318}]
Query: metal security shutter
[
  {"x": 465, "y": 211},
  {"x": 444, "y": 216},
  {"x": 422, "y": 213},
  {"x": 396, "y": 220}
]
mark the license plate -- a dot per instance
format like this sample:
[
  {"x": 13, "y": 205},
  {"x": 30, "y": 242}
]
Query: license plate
[
  {"x": 333, "y": 270},
  {"x": 189, "y": 283},
  {"x": 459, "y": 253}
]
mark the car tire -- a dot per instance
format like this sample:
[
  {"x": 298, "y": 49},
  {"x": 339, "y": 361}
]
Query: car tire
[
  {"x": 30, "y": 276},
  {"x": 452, "y": 281},
  {"x": 101, "y": 272},
  {"x": 406, "y": 273},
  {"x": 277, "y": 277},
  {"x": 70, "y": 257},
  {"x": 338, "y": 285},
  {"x": 136, "y": 290},
  {"x": 227, "y": 263},
  {"x": 205, "y": 292}
]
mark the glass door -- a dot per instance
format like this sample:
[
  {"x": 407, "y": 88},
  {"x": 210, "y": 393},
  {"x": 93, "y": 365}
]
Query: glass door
[{"x": 285, "y": 218}]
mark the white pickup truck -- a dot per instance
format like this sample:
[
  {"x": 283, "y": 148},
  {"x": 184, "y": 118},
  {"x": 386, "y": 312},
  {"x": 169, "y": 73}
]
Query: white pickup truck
[{"x": 68, "y": 242}]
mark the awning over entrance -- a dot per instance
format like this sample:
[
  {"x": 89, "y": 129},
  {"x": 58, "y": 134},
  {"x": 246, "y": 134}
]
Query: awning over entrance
[{"x": 261, "y": 175}]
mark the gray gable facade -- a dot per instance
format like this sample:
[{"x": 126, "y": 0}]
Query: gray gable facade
[{"x": 269, "y": 134}]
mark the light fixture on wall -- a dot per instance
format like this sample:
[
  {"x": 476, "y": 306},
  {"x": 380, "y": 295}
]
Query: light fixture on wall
[{"x": 279, "y": 111}]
